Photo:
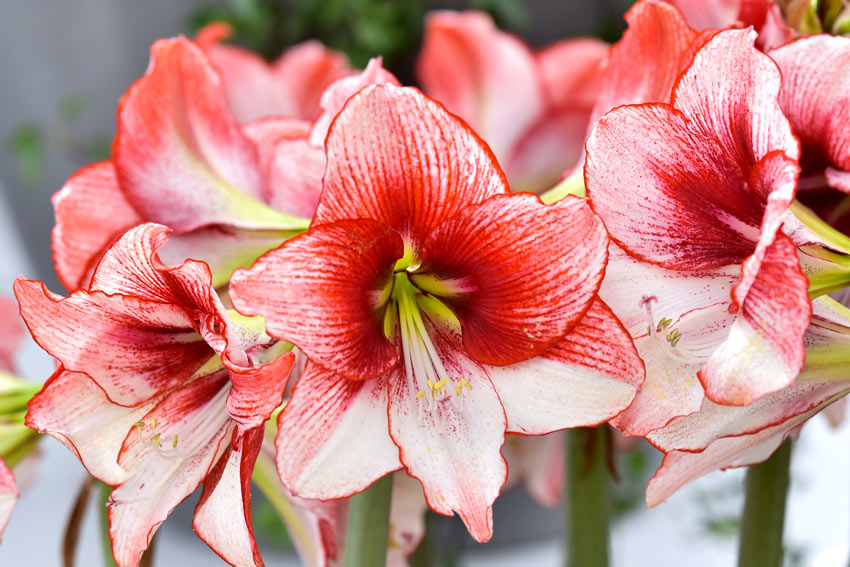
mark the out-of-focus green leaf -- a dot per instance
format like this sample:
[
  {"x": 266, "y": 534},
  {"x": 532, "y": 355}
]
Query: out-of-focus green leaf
[
  {"x": 71, "y": 107},
  {"x": 27, "y": 145}
]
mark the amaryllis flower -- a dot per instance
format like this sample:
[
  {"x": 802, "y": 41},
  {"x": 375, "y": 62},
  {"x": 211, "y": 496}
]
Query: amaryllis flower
[
  {"x": 694, "y": 194},
  {"x": 159, "y": 389},
  {"x": 437, "y": 312},
  {"x": 815, "y": 98},
  {"x": 720, "y": 437},
  {"x": 291, "y": 86},
  {"x": 764, "y": 15},
  {"x": 533, "y": 109},
  {"x": 182, "y": 160}
]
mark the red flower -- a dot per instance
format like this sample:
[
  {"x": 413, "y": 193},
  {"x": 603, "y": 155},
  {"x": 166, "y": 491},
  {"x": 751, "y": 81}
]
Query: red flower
[
  {"x": 437, "y": 313},
  {"x": 159, "y": 389}
]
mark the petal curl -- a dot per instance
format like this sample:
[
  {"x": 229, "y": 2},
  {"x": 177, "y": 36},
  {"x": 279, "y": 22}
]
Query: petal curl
[
  {"x": 764, "y": 351},
  {"x": 223, "y": 515}
]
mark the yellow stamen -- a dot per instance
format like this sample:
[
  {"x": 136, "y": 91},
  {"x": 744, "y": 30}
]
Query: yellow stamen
[
  {"x": 463, "y": 382},
  {"x": 153, "y": 422},
  {"x": 155, "y": 440},
  {"x": 174, "y": 443},
  {"x": 140, "y": 424}
]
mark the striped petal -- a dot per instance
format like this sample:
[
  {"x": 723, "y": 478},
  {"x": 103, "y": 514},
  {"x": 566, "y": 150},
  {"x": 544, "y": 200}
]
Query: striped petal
[
  {"x": 91, "y": 213},
  {"x": 398, "y": 157},
  {"x": 586, "y": 378},
  {"x": 326, "y": 428}
]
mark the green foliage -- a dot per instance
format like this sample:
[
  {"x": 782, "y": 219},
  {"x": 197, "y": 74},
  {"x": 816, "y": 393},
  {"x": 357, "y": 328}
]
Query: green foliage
[
  {"x": 27, "y": 146},
  {"x": 360, "y": 28}
]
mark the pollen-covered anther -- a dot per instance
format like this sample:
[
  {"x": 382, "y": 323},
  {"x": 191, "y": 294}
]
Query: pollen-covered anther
[{"x": 463, "y": 382}]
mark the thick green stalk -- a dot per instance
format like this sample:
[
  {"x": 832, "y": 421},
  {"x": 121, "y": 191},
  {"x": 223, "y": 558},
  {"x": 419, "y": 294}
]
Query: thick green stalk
[
  {"x": 764, "y": 511},
  {"x": 586, "y": 497},
  {"x": 368, "y": 525}
]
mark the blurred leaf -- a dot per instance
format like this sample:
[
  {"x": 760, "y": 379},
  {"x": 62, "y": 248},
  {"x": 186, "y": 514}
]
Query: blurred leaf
[
  {"x": 71, "y": 107},
  {"x": 267, "y": 524},
  {"x": 27, "y": 145},
  {"x": 98, "y": 147}
]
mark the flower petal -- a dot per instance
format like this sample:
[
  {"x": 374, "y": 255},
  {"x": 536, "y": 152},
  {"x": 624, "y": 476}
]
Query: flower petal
[
  {"x": 325, "y": 430},
  {"x": 647, "y": 172},
  {"x": 764, "y": 351},
  {"x": 398, "y": 157},
  {"x": 682, "y": 467},
  {"x": 223, "y": 250},
  {"x": 167, "y": 458},
  {"x": 588, "y": 377},
  {"x": 645, "y": 63},
  {"x": 180, "y": 158},
  {"x": 91, "y": 213},
  {"x": 523, "y": 293},
  {"x": 727, "y": 436},
  {"x": 132, "y": 348},
  {"x": 292, "y": 165},
  {"x": 630, "y": 286},
  {"x": 257, "y": 390},
  {"x": 8, "y": 495},
  {"x": 407, "y": 519},
  {"x": 453, "y": 449},
  {"x": 486, "y": 76},
  {"x": 671, "y": 389},
  {"x": 321, "y": 291},
  {"x": 338, "y": 93},
  {"x": 307, "y": 69},
  {"x": 12, "y": 333},
  {"x": 251, "y": 85},
  {"x": 74, "y": 410},
  {"x": 223, "y": 515},
  {"x": 704, "y": 14},
  {"x": 731, "y": 93},
  {"x": 815, "y": 96}
]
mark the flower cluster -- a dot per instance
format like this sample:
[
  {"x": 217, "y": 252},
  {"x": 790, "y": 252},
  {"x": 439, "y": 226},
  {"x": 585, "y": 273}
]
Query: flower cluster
[{"x": 405, "y": 280}]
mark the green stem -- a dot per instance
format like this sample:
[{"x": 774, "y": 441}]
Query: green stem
[
  {"x": 103, "y": 512},
  {"x": 586, "y": 497},
  {"x": 764, "y": 511},
  {"x": 368, "y": 525}
]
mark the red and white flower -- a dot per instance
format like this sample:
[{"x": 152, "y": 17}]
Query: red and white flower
[
  {"x": 764, "y": 16},
  {"x": 694, "y": 194},
  {"x": 533, "y": 109},
  {"x": 437, "y": 312},
  {"x": 159, "y": 389},
  {"x": 719, "y": 437}
]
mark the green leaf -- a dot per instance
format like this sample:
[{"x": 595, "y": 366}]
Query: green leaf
[{"x": 27, "y": 145}]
